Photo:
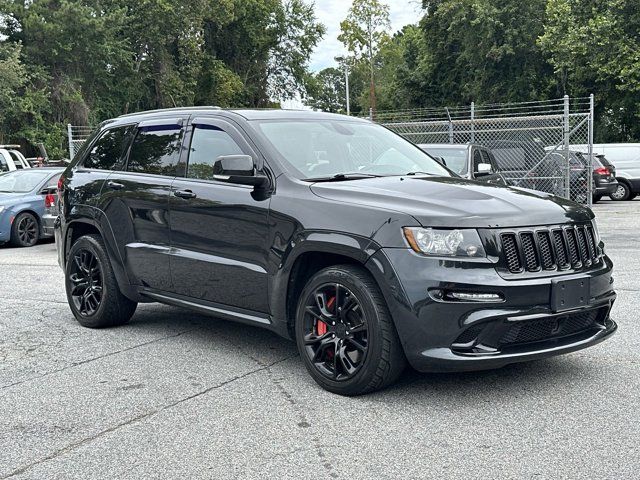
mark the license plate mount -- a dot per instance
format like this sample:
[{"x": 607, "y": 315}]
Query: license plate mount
[{"x": 570, "y": 294}]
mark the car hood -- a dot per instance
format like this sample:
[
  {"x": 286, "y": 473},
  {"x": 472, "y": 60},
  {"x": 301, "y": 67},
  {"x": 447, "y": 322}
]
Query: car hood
[{"x": 455, "y": 202}]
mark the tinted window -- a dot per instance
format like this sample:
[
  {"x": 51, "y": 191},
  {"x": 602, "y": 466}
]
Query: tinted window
[
  {"x": 485, "y": 159},
  {"x": 207, "y": 144},
  {"x": 3, "y": 164},
  {"x": 156, "y": 150},
  {"x": 107, "y": 151}
]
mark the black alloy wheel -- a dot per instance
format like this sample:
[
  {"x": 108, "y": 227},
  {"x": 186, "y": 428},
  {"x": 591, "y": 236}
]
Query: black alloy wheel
[
  {"x": 92, "y": 289},
  {"x": 87, "y": 282},
  {"x": 345, "y": 334},
  {"x": 336, "y": 335},
  {"x": 26, "y": 230}
]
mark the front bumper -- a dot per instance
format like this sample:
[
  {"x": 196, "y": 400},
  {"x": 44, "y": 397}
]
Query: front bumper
[{"x": 443, "y": 335}]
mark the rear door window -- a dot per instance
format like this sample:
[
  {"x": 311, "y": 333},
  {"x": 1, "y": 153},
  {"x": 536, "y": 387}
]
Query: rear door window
[
  {"x": 107, "y": 152},
  {"x": 156, "y": 150}
]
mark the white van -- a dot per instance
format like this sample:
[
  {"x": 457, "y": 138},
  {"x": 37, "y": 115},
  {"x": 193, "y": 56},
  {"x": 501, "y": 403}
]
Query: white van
[
  {"x": 626, "y": 158},
  {"x": 11, "y": 159}
]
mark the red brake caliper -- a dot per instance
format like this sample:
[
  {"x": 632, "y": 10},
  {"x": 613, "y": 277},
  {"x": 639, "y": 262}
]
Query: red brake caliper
[{"x": 321, "y": 327}]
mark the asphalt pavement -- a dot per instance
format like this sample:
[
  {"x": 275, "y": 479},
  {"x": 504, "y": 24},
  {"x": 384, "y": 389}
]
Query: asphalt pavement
[{"x": 176, "y": 395}]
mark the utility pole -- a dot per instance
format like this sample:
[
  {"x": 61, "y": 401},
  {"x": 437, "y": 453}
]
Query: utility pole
[{"x": 344, "y": 61}]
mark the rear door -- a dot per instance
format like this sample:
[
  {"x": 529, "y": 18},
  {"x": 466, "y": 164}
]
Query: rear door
[
  {"x": 136, "y": 201},
  {"x": 219, "y": 231}
]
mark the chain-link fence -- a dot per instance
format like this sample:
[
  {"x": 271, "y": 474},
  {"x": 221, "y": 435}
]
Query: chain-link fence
[
  {"x": 77, "y": 136},
  {"x": 531, "y": 141}
]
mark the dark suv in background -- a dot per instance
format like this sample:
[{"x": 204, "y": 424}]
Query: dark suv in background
[
  {"x": 330, "y": 230},
  {"x": 469, "y": 160}
]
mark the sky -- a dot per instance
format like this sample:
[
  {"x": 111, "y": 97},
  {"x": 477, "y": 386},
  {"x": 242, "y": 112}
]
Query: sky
[{"x": 332, "y": 12}]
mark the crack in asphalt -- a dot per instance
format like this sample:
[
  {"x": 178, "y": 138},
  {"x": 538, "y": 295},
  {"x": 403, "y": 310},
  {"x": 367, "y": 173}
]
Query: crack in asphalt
[
  {"x": 89, "y": 360},
  {"x": 304, "y": 422},
  {"x": 73, "y": 446}
]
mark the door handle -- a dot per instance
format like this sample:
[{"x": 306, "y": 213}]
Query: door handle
[
  {"x": 186, "y": 194},
  {"x": 115, "y": 185}
]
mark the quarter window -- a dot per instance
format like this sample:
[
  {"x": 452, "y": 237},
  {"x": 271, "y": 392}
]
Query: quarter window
[
  {"x": 107, "y": 151},
  {"x": 156, "y": 150},
  {"x": 207, "y": 144}
]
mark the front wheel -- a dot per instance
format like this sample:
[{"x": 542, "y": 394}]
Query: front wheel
[
  {"x": 92, "y": 289},
  {"x": 345, "y": 334}
]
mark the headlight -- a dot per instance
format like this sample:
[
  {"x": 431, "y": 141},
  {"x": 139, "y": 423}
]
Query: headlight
[
  {"x": 449, "y": 243},
  {"x": 595, "y": 230}
]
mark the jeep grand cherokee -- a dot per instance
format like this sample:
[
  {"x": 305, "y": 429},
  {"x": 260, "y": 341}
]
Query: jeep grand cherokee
[{"x": 332, "y": 231}]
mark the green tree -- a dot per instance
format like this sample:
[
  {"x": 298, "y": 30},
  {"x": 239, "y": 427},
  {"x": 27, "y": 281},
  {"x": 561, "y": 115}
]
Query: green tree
[
  {"x": 594, "y": 47},
  {"x": 327, "y": 91},
  {"x": 364, "y": 32}
]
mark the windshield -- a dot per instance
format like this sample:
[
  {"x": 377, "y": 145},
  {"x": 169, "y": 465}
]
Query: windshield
[
  {"x": 21, "y": 181},
  {"x": 455, "y": 158},
  {"x": 326, "y": 148}
]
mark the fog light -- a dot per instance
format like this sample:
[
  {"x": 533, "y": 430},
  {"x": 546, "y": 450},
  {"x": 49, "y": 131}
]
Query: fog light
[{"x": 475, "y": 297}]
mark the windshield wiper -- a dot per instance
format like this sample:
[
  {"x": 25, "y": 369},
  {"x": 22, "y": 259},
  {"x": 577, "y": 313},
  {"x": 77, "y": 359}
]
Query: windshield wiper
[
  {"x": 411, "y": 174},
  {"x": 341, "y": 177}
]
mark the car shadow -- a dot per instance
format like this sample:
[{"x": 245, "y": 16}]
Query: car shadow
[{"x": 510, "y": 382}]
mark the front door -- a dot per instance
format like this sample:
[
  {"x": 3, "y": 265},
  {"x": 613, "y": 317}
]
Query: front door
[
  {"x": 137, "y": 201},
  {"x": 218, "y": 230}
]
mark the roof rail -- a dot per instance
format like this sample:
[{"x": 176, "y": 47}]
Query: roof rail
[
  {"x": 11, "y": 146},
  {"x": 174, "y": 109}
]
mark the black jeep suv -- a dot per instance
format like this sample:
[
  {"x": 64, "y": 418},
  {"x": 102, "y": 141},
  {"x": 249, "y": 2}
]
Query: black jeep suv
[{"x": 330, "y": 230}]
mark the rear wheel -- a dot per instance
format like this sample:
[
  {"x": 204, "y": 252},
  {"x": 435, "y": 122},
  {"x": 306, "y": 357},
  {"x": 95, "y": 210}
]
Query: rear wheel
[
  {"x": 345, "y": 334},
  {"x": 92, "y": 290},
  {"x": 597, "y": 198},
  {"x": 25, "y": 230},
  {"x": 623, "y": 192}
]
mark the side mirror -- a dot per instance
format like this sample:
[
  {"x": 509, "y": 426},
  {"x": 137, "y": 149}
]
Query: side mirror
[
  {"x": 483, "y": 170},
  {"x": 238, "y": 169}
]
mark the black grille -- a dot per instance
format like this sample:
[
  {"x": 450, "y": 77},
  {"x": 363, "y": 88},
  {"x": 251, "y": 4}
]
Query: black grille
[
  {"x": 470, "y": 334},
  {"x": 510, "y": 248},
  {"x": 550, "y": 249},
  {"x": 500, "y": 333},
  {"x": 552, "y": 327},
  {"x": 562, "y": 258},
  {"x": 530, "y": 253},
  {"x": 546, "y": 250}
]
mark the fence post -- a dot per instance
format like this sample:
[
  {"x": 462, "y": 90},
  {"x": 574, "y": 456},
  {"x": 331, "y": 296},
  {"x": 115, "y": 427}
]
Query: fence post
[
  {"x": 450, "y": 125},
  {"x": 473, "y": 126},
  {"x": 70, "y": 137},
  {"x": 371, "y": 114},
  {"x": 567, "y": 144},
  {"x": 592, "y": 110}
]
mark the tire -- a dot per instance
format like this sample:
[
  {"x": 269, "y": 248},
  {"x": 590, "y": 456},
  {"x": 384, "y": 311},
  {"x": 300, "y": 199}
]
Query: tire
[
  {"x": 383, "y": 359},
  {"x": 596, "y": 198},
  {"x": 622, "y": 193},
  {"x": 25, "y": 230},
  {"x": 92, "y": 290}
]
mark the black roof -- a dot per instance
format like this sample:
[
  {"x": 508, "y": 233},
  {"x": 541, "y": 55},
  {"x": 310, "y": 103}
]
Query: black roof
[{"x": 247, "y": 114}]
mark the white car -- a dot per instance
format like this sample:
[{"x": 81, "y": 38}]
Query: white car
[{"x": 11, "y": 159}]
